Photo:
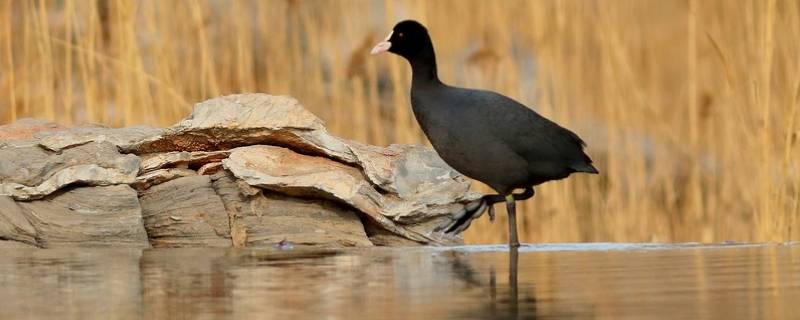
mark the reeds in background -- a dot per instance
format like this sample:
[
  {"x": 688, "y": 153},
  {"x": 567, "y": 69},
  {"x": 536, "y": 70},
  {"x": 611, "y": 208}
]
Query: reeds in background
[{"x": 689, "y": 107}]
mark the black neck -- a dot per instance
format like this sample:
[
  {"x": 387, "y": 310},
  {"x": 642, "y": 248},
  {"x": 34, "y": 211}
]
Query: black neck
[{"x": 423, "y": 66}]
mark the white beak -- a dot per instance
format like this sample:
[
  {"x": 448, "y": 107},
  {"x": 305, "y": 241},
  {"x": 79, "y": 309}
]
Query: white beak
[{"x": 383, "y": 45}]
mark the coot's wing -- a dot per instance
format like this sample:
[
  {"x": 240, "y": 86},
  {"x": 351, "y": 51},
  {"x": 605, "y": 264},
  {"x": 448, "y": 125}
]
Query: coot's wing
[{"x": 534, "y": 137}]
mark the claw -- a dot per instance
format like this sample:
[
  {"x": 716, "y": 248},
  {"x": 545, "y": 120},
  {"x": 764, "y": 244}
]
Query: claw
[{"x": 473, "y": 211}]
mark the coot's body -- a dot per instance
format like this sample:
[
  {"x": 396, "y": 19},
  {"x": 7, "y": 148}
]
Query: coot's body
[
  {"x": 496, "y": 140},
  {"x": 482, "y": 134}
]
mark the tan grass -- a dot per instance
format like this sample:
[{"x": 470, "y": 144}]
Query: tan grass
[{"x": 690, "y": 108}]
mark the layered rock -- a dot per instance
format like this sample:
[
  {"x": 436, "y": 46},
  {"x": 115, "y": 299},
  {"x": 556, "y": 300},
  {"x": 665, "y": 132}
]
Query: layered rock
[
  {"x": 241, "y": 170},
  {"x": 28, "y": 171},
  {"x": 107, "y": 216}
]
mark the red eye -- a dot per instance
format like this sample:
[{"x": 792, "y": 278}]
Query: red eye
[{"x": 400, "y": 35}]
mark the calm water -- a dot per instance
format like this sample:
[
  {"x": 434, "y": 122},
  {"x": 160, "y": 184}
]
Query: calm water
[{"x": 595, "y": 281}]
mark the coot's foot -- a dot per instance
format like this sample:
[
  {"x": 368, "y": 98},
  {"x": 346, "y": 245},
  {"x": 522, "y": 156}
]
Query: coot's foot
[
  {"x": 475, "y": 210},
  {"x": 472, "y": 211}
]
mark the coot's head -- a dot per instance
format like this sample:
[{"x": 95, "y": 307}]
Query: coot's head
[{"x": 407, "y": 39}]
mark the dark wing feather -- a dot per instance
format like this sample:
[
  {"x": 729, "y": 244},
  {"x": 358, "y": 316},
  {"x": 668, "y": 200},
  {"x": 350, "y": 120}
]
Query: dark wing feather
[{"x": 529, "y": 134}]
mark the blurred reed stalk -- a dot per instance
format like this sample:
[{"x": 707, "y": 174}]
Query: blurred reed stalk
[{"x": 689, "y": 107}]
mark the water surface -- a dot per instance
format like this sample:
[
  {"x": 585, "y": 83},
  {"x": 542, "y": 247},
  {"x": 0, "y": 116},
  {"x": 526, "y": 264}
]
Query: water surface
[{"x": 586, "y": 281}]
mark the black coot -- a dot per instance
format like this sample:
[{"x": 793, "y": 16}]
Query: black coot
[{"x": 482, "y": 134}]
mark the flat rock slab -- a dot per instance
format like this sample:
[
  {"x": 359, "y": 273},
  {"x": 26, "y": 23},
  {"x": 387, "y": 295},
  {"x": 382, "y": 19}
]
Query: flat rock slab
[
  {"x": 80, "y": 217},
  {"x": 263, "y": 218},
  {"x": 415, "y": 176},
  {"x": 187, "y": 159},
  {"x": 41, "y": 172},
  {"x": 247, "y": 119},
  {"x": 152, "y": 178},
  {"x": 282, "y": 170},
  {"x": 24, "y": 129},
  {"x": 123, "y": 138}
]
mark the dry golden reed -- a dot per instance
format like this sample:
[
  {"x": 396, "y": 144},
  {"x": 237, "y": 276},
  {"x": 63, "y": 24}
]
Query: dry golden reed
[{"x": 689, "y": 107}]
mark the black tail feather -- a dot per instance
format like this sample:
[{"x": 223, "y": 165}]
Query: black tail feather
[{"x": 585, "y": 167}]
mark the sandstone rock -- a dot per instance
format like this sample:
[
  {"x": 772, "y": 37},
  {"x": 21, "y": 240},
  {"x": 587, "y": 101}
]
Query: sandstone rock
[
  {"x": 280, "y": 169},
  {"x": 197, "y": 211},
  {"x": 14, "y": 224},
  {"x": 24, "y": 129},
  {"x": 210, "y": 168},
  {"x": 247, "y": 119},
  {"x": 241, "y": 170},
  {"x": 379, "y": 236},
  {"x": 39, "y": 172},
  {"x": 15, "y": 245},
  {"x": 123, "y": 138},
  {"x": 185, "y": 212},
  {"x": 85, "y": 217},
  {"x": 147, "y": 180},
  {"x": 26, "y": 165},
  {"x": 196, "y": 159},
  {"x": 265, "y": 218},
  {"x": 417, "y": 176}
]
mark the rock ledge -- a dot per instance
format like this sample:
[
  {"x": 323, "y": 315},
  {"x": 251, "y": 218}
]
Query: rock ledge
[{"x": 241, "y": 170}]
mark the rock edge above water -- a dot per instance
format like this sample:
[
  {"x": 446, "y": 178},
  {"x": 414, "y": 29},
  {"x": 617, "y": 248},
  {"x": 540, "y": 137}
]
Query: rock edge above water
[{"x": 241, "y": 170}]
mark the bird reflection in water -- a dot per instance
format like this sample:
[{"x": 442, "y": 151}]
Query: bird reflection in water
[
  {"x": 505, "y": 300},
  {"x": 513, "y": 295}
]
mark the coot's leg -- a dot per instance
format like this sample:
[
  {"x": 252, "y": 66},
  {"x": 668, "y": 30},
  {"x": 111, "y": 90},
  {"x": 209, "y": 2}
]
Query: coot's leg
[
  {"x": 487, "y": 203},
  {"x": 525, "y": 195},
  {"x": 513, "y": 241},
  {"x": 495, "y": 198}
]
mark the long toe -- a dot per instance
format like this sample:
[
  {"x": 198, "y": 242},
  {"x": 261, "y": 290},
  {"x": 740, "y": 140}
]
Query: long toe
[{"x": 474, "y": 211}]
